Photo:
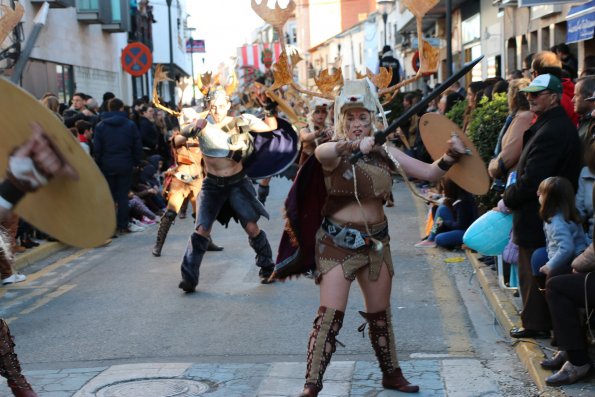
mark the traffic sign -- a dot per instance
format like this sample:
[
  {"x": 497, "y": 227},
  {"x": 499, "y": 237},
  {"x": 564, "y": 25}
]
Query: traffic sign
[{"x": 136, "y": 59}]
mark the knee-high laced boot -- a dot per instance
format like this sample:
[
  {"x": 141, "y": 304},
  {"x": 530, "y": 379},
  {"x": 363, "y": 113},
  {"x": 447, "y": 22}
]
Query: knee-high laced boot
[
  {"x": 166, "y": 221},
  {"x": 264, "y": 256},
  {"x": 321, "y": 346},
  {"x": 197, "y": 246},
  {"x": 263, "y": 193},
  {"x": 383, "y": 342},
  {"x": 10, "y": 367}
]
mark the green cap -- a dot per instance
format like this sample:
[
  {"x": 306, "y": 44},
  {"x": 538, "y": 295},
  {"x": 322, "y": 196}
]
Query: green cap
[{"x": 544, "y": 82}]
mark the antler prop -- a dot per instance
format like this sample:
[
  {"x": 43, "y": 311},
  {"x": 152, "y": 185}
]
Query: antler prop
[
  {"x": 276, "y": 17},
  {"x": 10, "y": 19},
  {"x": 161, "y": 75},
  {"x": 428, "y": 55}
]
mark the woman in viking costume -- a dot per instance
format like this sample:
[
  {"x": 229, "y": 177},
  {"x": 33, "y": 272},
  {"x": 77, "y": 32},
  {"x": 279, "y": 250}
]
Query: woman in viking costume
[
  {"x": 226, "y": 191},
  {"x": 353, "y": 242},
  {"x": 317, "y": 131}
]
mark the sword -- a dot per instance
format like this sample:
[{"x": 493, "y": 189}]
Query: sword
[{"x": 380, "y": 136}]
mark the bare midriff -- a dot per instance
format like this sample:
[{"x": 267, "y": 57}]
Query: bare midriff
[
  {"x": 222, "y": 166},
  {"x": 371, "y": 211}
]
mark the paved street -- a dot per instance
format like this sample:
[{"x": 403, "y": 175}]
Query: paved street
[{"x": 88, "y": 323}]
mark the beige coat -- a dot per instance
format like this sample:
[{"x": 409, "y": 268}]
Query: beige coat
[{"x": 512, "y": 144}]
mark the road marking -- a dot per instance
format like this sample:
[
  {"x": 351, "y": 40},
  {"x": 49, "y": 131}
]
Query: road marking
[
  {"x": 49, "y": 297},
  {"x": 38, "y": 290},
  {"x": 453, "y": 315},
  {"x": 54, "y": 266}
]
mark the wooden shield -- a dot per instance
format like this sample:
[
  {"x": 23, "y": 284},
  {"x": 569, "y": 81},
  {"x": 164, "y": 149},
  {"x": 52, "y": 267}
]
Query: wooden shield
[
  {"x": 470, "y": 171},
  {"x": 79, "y": 213}
]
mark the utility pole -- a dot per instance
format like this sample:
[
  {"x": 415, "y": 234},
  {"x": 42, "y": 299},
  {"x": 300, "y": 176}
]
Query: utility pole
[{"x": 172, "y": 83}]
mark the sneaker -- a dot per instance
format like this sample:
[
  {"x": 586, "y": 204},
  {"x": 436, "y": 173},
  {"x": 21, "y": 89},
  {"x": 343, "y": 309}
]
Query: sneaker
[
  {"x": 133, "y": 227},
  {"x": 15, "y": 278},
  {"x": 426, "y": 244},
  {"x": 147, "y": 221}
]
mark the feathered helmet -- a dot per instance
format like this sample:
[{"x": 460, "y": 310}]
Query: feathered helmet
[{"x": 356, "y": 94}]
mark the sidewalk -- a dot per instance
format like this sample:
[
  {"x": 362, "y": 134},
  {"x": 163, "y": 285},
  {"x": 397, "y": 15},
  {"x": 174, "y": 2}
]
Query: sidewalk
[
  {"x": 36, "y": 254},
  {"x": 529, "y": 351}
]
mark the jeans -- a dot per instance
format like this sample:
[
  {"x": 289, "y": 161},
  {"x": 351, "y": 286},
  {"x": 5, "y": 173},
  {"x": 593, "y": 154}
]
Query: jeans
[
  {"x": 442, "y": 236},
  {"x": 119, "y": 186}
]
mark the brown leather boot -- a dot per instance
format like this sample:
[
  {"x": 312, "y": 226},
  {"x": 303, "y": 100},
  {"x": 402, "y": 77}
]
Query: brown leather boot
[
  {"x": 10, "y": 367},
  {"x": 321, "y": 346},
  {"x": 383, "y": 342},
  {"x": 166, "y": 221}
]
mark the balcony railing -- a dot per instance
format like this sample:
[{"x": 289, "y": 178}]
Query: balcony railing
[
  {"x": 119, "y": 18},
  {"x": 93, "y": 11}
]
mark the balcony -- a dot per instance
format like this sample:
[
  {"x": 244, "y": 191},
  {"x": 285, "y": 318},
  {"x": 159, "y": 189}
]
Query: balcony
[
  {"x": 93, "y": 11},
  {"x": 119, "y": 17},
  {"x": 55, "y": 3}
]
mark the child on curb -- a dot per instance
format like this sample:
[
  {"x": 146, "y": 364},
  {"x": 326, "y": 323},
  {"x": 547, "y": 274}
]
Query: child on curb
[{"x": 565, "y": 237}]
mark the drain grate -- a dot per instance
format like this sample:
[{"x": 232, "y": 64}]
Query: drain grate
[{"x": 160, "y": 387}]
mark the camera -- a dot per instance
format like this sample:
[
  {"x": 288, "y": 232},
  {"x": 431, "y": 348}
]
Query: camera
[{"x": 498, "y": 185}]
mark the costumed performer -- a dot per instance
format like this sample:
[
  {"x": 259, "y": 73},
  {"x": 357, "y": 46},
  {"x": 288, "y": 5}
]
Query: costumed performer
[
  {"x": 185, "y": 184},
  {"x": 30, "y": 166},
  {"x": 353, "y": 242},
  {"x": 226, "y": 191},
  {"x": 317, "y": 131}
]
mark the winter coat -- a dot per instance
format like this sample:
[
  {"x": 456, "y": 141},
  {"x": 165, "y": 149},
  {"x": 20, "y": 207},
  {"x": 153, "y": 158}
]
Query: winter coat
[
  {"x": 148, "y": 132},
  {"x": 565, "y": 241},
  {"x": 117, "y": 143},
  {"x": 550, "y": 148}
]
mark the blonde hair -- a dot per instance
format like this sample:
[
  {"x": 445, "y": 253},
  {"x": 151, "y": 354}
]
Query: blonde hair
[{"x": 514, "y": 89}]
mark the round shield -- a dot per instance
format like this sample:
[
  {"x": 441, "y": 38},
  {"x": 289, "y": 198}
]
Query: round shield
[
  {"x": 79, "y": 213},
  {"x": 470, "y": 171},
  {"x": 274, "y": 151}
]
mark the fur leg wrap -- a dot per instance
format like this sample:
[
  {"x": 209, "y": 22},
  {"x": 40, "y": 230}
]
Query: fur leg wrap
[
  {"x": 197, "y": 246},
  {"x": 262, "y": 248},
  {"x": 263, "y": 193}
]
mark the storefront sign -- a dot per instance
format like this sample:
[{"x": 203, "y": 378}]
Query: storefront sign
[
  {"x": 193, "y": 46},
  {"x": 581, "y": 28}
]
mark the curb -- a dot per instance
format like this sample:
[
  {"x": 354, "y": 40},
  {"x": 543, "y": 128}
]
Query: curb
[
  {"x": 528, "y": 352},
  {"x": 36, "y": 254}
]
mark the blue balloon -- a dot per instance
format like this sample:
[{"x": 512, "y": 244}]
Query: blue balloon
[{"x": 489, "y": 234}]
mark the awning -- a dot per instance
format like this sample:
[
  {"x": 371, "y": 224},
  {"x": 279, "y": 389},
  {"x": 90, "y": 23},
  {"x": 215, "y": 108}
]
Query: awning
[
  {"x": 581, "y": 22},
  {"x": 534, "y": 3}
]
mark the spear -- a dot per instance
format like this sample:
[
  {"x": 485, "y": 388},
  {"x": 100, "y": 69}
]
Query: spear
[{"x": 380, "y": 136}]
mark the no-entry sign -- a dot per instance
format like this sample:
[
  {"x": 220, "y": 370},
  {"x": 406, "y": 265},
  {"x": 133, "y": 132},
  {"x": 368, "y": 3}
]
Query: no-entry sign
[{"x": 136, "y": 59}]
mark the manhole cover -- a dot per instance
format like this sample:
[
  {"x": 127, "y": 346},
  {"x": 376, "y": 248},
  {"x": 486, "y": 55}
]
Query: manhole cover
[{"x": 154, "y": 388}]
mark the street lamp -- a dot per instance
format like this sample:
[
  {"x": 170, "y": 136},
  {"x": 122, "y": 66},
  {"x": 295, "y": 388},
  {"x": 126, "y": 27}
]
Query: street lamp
[
  {"x": 172, "y": 92},
  {"x": 385, "y": 7}
]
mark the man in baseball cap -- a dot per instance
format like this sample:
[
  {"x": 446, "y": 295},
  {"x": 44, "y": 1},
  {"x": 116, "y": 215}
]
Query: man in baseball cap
[
  {"x": 551, "y": 148},
  {"x": 544, "y": 82}
]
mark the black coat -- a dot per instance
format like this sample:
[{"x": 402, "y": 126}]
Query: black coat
[
  {"x": 148, "y": 133},
  {"x": 550, "y": 148},
  {"x": 117, "y": 143}
]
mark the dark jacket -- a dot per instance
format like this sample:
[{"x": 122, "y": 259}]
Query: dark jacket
[
  {"x": 148, "y": 133},
  {"x": 550, "y": 148},
  {"x": 117, "y": 143},
  {"x": 389, "y": 61}
]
